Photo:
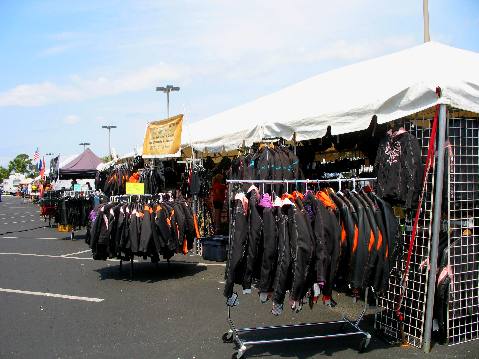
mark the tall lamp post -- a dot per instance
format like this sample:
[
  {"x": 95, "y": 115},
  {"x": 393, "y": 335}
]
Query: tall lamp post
[
  {"x": 167, "y": 90},
  {"x": 109, "y": 128},
  {"x": 84, "y": 144}
]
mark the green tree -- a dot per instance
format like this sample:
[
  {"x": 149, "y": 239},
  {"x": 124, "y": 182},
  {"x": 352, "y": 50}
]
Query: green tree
[
  {"x": 22, "y": 164},
  {"x": 4, "y": 173}
]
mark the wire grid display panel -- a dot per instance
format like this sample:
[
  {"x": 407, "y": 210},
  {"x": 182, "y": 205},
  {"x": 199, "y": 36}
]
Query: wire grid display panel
[
  {"x": 414, "y": 298},
  {"x": 463, "y": 206}
]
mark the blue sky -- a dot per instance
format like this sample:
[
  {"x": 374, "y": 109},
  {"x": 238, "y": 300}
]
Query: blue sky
[{"x": 67, "y": 67}]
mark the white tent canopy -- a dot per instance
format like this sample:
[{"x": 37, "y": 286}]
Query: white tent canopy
[{"x": 391, "y": 87}]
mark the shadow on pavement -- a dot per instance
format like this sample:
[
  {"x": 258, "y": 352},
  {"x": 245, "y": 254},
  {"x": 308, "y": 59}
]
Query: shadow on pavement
[{"x": 150, "y": 272}]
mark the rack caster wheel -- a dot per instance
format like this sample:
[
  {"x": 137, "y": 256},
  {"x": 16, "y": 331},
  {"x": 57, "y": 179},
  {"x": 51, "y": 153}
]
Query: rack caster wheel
[
  {"x": 237, "y": 355},
  {"x": 363, "y": 345},
  {"x": 227, "y": 337}
]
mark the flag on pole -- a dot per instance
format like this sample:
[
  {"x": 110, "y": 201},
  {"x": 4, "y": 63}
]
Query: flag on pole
[
  {"x": 36, "y": 156},
  {"x": 42, "y": 169}
]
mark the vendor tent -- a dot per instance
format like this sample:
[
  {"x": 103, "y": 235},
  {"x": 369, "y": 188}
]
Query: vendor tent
[
  {"x": 83, "y": 166},
  {"x": 391, "y": 87}
]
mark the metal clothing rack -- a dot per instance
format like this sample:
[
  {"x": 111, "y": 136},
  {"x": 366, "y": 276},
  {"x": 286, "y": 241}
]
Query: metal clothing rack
[
  {"x": 236, "y": 335},
  {"x": 128, "y": 198},
  {"x": 345, "y": 328},
  {"x": 138, "y": 197},
  {"x": 76, "y": 194},
  {"x": 339, "y": 180}
]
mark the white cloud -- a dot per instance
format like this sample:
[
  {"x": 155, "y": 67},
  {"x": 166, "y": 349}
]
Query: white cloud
[
  {"x": 55, "y": 50},
  {"x": 71, "y": 119},
  {"x": 78, "y": 88}
]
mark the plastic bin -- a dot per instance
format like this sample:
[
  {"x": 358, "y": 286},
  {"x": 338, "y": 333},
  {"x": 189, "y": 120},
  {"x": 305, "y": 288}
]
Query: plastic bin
[{"x": 215, "y": 248}]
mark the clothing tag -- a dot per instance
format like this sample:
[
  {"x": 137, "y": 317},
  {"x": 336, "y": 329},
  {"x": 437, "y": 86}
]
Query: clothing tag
[{"x": 263, "y": 297}]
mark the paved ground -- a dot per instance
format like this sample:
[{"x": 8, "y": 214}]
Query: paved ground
[{"x": 164, "y": 312}]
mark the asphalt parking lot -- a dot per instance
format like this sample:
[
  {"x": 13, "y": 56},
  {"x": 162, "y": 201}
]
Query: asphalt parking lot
[{"x": 56, "y": 302}]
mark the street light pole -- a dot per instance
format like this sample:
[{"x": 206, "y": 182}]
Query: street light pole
[
  {"x": 425, "y": 10},
  {"x": 109, "y": 128},
  {"x": 167, "y": 90},
  {"x": 84, "y": 144}
]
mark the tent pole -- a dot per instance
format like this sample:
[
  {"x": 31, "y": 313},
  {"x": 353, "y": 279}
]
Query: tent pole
[
  {"x": 425, "y": 11},
  {"x": 436, "y": 228}
]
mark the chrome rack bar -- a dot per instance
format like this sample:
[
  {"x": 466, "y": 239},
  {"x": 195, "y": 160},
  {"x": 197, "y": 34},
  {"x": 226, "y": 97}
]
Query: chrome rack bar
[{"x": 354, "y": 180}]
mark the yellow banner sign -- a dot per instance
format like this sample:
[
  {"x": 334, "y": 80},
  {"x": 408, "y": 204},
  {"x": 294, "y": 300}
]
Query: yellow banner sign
[
  {"x": 163, "y": 138},
  {"x": 135, "y": 188}
]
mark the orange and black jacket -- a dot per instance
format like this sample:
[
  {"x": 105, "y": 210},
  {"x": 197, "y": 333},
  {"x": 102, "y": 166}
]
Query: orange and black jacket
[
  {"x": 359, "y": 253},
  {"x": 390, "y": 234}
]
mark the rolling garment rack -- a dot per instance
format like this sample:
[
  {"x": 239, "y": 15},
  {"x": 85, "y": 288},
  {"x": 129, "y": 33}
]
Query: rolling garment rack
[
  {"x": 345, "y": 327},
  {"x": 128, "y": 198},
  {"x": 76, "y": 194}
]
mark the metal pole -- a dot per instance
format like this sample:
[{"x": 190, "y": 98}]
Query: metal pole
[
  {"x": 168, "y": 103},
  {"x": 425, "y": 11},
  {"x": 436, "y": 227},
  {"x": 109, "y": 140}
]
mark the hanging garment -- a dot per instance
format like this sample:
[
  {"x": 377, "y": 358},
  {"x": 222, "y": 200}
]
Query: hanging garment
[
  {"x": 283, "y": 269},
  {"x": 238, "y": 247},
  {"x": 362, "y": 235},
  {"x": 270, "y": 244},
  {"x": 399, "y": 169},
  {"x": 255, "y": 228},
  {"x": 302, "y": 249},
  {"x": 332, "y": 237}
]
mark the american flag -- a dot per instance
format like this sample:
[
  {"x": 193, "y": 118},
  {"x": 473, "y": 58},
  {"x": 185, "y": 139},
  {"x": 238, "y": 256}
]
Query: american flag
[{"x": 36, "y": 156}]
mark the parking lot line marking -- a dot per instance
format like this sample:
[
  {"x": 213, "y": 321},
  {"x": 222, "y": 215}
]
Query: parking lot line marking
[
  {"x": 9, "y": 237},
  {"x": 39, "y": 255},
  {"x": 72, "y": 254},
  {"x": 212, "y": 264},
  {"x": 53, "y": 295},
  {"x": 200, "y": 263},
  {"x": 48, "y": 238}
]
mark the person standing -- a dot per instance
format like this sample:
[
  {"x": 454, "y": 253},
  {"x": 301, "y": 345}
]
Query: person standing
[{"x": 218, "y": 190}]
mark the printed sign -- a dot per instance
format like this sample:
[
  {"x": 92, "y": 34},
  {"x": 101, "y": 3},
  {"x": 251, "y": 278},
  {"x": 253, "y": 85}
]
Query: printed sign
[
  {"x": 163, "y": 138},
  {"x": 135, "y": 188}
]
